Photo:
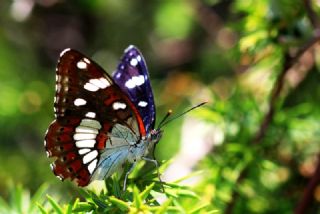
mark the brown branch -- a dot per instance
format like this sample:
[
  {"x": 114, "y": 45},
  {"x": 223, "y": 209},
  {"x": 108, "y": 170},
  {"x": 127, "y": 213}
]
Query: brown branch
[
  {"x": 208, "y": 19},
  {"x": 314, "y": 20},
  {"x": 306, "y": 200}
]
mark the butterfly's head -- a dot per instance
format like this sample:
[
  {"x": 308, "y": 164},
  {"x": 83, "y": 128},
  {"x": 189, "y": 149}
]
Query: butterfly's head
[{"x": 155, "y": 136}]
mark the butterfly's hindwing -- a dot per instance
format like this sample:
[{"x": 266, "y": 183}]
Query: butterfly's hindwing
[{"x": 88, "y": 106}]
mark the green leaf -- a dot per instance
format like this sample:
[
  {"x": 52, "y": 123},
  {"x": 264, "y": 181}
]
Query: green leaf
[
  {"x": 177, "y": 205},
  {"x": 84, "y": 193},
  {"x": 193, "y": 174},
  {"x": 55, "y": 205},
  {"x": 146, "y": 192},
  {"x": 164, "y": 206},
  {"x": 41, "y": 208},
  {"x": 68, "y": 209},
  {"x": 175, "y": 185},
  {"x": 188, "y": 193},
  {"x": 75, "y": 203},
  {"x": 98, "y": 201},
  {"x": 38, "y": 197},
  {"x": 83, "y": 207},
  {"x": 116, "y": 188},
  {"x": 199, "y": 208},
  {"x": 17, "y": 198},
  {"x": 136, "y": 198},
  {"x": 122, "y": 205}
]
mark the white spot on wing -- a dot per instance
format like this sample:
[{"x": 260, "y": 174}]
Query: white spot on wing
[
  {"x": 64, "y": 51},
  {"x": 105, "y": 82},
  {"x": 139, "y": 58},
  {"x": 90, "y": 87},
  {"x": 128, "y": 48},
  {"x": 135, "y": 81},
  {"x": 84, "y": 151},
  {"x": 96, "y": 84},
  {"x": 134, "y": 62},
  {"x": 48, "y": 154},
  {"x": 91, "y": 114},
  {"x": 90, "y": 156},
  {"x": 118, "y": 105},
  {"x": 84, "y": 136},
  {"x": 79, "y": 102},
  {"x": 92, "y": 166},
  {"x": 82, "y": 65},
  {"x": 85, "y": 143},
  {"x": 86, "y": 60},
  {"x": 59, "y": 177},
  {"x": 84, "y": 129},
  {"x": 100, "y": 83},
  {"x": 90, "y": 123},
  {"x": 58, "y": 87},
  {"x": 142, "y": 104}
]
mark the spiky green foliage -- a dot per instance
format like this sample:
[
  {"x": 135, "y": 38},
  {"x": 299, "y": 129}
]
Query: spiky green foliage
[{"x": 143, "y": 195}]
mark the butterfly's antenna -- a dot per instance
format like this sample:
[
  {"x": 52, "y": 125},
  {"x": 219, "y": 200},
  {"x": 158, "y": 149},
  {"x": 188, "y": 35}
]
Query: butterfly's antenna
[
  {"x": 164, "y": 122},
  {"x": 165, "y": 118}
]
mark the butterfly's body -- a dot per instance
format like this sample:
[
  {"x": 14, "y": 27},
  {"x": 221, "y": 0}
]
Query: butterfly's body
[
  {"x": 101, "y": 122},
  {"x": 132, "y": 150}
]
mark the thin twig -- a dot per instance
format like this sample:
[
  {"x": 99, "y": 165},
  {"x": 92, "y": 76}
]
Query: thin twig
[
  {"x": 314, "y": 20},
  {"x": 208, "y": 19}
]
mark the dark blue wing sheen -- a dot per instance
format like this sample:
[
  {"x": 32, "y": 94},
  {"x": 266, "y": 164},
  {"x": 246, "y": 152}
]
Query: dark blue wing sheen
[{"x": 133, "y": 78}]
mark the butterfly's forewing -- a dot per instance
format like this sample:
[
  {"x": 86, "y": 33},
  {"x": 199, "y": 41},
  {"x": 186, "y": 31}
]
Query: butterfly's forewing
[
  {"x": 133, "y": 78},
  {"x": 88, "y": 104}
]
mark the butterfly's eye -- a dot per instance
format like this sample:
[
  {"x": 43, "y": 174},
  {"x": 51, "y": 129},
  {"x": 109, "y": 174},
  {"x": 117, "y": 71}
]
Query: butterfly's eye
[{"x": 155, "y": 135}]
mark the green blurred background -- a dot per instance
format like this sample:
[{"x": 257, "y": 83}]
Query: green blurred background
[{"x": 228, "y": 52}]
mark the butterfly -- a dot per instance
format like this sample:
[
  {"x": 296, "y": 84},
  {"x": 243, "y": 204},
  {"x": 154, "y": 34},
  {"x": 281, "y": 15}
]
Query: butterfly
[{"x": 101, "y": 122}]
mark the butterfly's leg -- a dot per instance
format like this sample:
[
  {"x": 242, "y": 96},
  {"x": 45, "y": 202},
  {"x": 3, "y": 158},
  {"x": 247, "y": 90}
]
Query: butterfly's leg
[
  {"x": 155, "y": 162},
  {"x": 126, "y": 177}
]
